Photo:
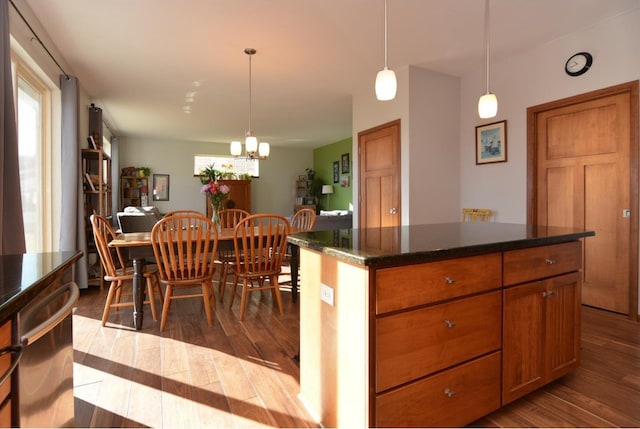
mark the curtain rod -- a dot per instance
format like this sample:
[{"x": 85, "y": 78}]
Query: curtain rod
[{"x": 39, "y": 41}]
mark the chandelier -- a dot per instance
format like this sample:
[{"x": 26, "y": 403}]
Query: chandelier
[{"x": 253, "y": 150}]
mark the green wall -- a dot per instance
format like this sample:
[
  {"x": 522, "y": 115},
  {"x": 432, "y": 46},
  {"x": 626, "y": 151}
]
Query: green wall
[{"x": 323, "y": 159}]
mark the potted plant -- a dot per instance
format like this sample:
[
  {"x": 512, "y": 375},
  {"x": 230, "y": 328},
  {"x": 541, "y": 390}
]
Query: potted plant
[
  {"x": 310, "y": 173},
  {"x": 143, "y": 171}
]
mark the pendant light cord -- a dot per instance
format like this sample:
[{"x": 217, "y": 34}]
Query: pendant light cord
[
  {"x": 486, "y": 44},
  {"x": 385, "y": 34},
  {"x": 250, "y": 129}
]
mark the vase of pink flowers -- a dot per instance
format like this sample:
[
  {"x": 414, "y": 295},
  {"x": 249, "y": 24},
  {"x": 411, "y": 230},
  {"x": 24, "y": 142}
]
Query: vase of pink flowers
[{"x": 217, "y": 194}]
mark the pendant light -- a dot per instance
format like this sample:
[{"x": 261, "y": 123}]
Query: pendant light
[
  {"x": 253, "y": 150},
  {"x": 386, "y": 83},
  {"x": 488, "y": 103}
]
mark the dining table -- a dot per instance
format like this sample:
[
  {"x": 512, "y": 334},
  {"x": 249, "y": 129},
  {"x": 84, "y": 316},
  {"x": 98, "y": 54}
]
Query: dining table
[{"x": 138, "y": 245}]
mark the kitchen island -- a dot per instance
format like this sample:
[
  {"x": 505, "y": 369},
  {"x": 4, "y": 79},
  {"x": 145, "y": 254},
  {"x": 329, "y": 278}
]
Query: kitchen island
[{"x": 434, "y": 325}]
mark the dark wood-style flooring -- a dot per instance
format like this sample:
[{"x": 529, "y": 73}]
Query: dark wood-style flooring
[{"x": 241, "y": 374}]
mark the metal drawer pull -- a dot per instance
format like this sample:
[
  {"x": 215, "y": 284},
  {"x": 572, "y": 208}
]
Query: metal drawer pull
[
  {"x": 449, "y": 323},
  {"x": 450, "y": 393},
  {"x": 548, "y": 294},
  {"x": 449, "y": 280},
  {"x": 550, "y": 261}
]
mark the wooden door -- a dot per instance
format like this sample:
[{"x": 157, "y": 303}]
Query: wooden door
[
  {"x": 379, "y": 176},
  {"x": 583, "y": 172}
]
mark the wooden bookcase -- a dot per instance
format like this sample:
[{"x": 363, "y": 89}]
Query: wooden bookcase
[
  {"x": 96, "y": 173},
  {"x": 134, "y": 191},
  {"x": 304, "y": 198}
]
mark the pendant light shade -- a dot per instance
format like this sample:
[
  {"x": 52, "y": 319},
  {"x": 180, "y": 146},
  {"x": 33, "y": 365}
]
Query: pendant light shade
[
  {"x": 488, "y": 106},
  {"x": 488, "y": 103},
  {"x": 386, "y": 83},
  {"x": 252, "y": 150}
]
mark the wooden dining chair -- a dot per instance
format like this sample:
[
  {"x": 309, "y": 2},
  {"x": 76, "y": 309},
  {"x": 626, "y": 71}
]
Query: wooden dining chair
[
  {"x": 185, "y": 247},
  {"x": 117, "y": 273},
  {"x": 304, "y": 220},
  {"x": 260, "y": 243},
  {"x": 229, "y": 218},
  {"x": 476, "y": 215},
  {"x": 185, "y": 212}
]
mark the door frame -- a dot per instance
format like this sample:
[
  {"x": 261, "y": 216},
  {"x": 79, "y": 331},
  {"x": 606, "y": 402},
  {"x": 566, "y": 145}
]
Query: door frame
[{"x": 532, "y": 164}]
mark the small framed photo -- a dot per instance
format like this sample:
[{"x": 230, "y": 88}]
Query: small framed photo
[
  {"x": 160, "y": 187},
  {"x": 491, "y": 143},
  {"x": 345, "y": 163},
  {"x": 344, "y": 181},
  {"x": 336, "y": 172}
]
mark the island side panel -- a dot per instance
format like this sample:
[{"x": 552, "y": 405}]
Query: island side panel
[{"x": 334, "y": 340}]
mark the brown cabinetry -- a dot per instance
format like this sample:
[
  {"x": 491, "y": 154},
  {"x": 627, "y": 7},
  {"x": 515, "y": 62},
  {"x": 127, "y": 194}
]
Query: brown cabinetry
[
  {"x": 239, "y": 195},
  {"x": 435, "y": 343},
  {"x": 5, "y": 388},
  {"x": 449, "y": 320},
  {"x": 541, "y": 317},
  {"x": 134, "y": 191},
  {"x": 96, "y": 170}
]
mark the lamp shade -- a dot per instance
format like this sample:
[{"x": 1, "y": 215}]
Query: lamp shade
[
  {"x": 488, "y": 106},
  {"x": 251, "y": 144},
  {"x": 386, "y": 84},
  {"x": 264, "y": 149},
  {"x": 236, "y": 148},
  {"x": 327, "y": 189}
]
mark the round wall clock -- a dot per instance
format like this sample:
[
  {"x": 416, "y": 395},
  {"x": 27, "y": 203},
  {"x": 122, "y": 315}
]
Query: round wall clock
[{"x": 578, "y": 63}]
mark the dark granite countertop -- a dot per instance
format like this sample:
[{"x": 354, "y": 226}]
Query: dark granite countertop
[
  {"x": 389, "y": 246},
  {"x": 23, "y": 276}
]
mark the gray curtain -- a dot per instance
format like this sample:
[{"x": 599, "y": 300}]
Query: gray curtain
[
  {"x": 72, "y": 222},
  {"x": 11, "y": 223}
]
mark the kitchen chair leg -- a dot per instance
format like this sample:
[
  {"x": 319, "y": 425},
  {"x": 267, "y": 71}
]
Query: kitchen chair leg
[
  {"x": 113, "y": 287},
  {"x": 165, "y": 306},
  {"x": 152, "y": 298},
  {"x": 207, "y": 301}
]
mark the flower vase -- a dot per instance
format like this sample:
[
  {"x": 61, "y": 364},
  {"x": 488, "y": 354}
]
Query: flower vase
[{"x": 215, "y": 216}]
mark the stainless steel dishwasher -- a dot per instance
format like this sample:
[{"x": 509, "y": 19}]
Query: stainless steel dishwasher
[{"x": 45, "y": 371}]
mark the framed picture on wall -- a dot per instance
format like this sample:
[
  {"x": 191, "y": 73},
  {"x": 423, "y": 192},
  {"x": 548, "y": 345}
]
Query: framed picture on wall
[
  {"x": 491, "y": 143},
  {"x": 336, "y": 172},
  {"x": 345, "y": 163},
  {"x": 160, "y": 187}
]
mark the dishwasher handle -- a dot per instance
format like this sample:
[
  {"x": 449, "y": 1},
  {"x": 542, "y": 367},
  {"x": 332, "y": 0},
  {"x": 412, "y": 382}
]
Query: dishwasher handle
[
  {"x": 19, "y": 349},
  {"x": 42, "y": 329}
]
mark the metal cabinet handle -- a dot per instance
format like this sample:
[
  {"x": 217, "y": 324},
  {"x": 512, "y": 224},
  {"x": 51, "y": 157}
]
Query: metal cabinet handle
[
  {"x": 449, "y": 280},
  {"x": 449, "y": 323},
  {"x": 550, "y": 261},
  {"x": 449, "y": 392},
  {"x": 17, "y": 349},
  {"x": 393, "y": 210}
]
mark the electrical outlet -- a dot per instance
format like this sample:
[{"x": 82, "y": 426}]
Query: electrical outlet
[{"x": 326, "y": 294}]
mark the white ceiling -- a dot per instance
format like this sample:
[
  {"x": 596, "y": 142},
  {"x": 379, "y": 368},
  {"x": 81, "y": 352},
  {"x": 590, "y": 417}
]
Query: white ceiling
[{"x": 139, "y": 59}]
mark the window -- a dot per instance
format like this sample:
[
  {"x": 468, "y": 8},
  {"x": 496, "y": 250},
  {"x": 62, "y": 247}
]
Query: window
[
  {"x": 32, "y": 101},
  {"x": 227, "y": 164}
]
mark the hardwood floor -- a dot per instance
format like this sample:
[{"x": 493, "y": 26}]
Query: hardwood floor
[{"x": 241, "y": 374}]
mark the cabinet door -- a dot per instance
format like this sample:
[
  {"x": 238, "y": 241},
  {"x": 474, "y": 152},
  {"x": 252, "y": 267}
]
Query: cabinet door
[
  {"x": 523, "y": 336},
  {"x": 562, "y": 333}
]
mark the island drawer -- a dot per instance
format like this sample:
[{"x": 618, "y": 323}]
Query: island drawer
[
  {"x": 412, "y": 285},
  {"x": 415, "y": 343},
  {"x": 540, "y": 262},
  {"x": 451, "y": 398}
]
